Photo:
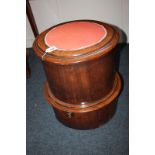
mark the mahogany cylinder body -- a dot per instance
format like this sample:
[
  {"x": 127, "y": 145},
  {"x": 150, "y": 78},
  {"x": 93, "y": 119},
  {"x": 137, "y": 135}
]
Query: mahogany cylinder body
[
  {"x": 82, "y": 83},
  {"x": 85, "y": 116}
]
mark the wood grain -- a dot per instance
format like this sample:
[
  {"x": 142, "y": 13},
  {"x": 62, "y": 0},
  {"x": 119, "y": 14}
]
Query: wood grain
[
  {"x": 81, "y": 82},
  {"x": 88, "y": 116}
]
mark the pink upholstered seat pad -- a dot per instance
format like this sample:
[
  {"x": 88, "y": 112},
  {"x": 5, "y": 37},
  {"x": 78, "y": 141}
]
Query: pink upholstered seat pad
[{"x": 75, "y": 35}]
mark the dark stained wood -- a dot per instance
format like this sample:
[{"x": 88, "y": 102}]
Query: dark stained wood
[
  {"x": 68, "y": 57},
  {"x": 31, "y": 19},
  {"x": 87, "y": 116},
  {"x": 82, "y": 85},
  {"x": 35, "y": 32},
  {"x": 88, "y": 120},
  {"x": 81, "y": 82}
]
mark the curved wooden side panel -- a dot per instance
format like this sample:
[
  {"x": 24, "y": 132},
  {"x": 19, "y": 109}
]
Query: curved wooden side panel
[
  {"x": 86, "y": 118},
  {"x": 81, "y": 82},
  {"x": 80, "y": 79}
]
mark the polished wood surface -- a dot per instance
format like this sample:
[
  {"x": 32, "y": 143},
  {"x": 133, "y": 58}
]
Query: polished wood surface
[
  {"x": 88, "y": 120},
  {"x": 35, "y": 32},
  {"x": 85, "y": 116},
  {"x": 81, "y": 82},
  {"x": 68, "y": 57},
  {"x": 84, "y": 79},
  {"x": 31, "y": 19}
]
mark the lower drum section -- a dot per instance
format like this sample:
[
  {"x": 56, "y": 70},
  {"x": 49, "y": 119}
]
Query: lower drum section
[
  {"x": 86, "y": 115},
  {"x": 86, "y": 120}
]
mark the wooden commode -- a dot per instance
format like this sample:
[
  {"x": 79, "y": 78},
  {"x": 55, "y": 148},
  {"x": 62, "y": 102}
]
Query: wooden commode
[{"x": 79, "y": 62}]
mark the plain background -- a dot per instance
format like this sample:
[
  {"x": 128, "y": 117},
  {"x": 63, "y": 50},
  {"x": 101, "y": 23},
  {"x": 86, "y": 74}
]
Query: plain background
[
  {"x": 13, "y": 77},
  {"x": 51, "y": 12}
]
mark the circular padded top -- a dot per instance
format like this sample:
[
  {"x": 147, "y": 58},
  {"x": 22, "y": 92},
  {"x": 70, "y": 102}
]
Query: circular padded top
[{"x": 75, "y": 35}]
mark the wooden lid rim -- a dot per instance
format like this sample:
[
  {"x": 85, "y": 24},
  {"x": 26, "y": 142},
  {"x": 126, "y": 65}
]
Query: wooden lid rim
[{"x": 85, "y": 54}]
